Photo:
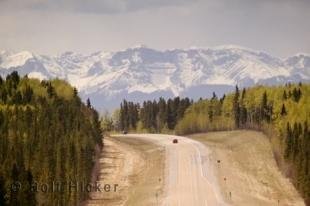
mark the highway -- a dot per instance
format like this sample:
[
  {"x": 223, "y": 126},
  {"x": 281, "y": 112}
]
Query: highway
[{"x": 189, "y": 176}]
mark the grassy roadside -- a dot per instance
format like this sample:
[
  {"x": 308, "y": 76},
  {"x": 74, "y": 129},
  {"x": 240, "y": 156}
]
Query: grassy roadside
[
  {"x": 147, "y": 182},
  {"x": 247, "y": 172}
]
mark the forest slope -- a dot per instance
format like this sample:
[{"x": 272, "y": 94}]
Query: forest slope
[{"x": 47, "y": 135}]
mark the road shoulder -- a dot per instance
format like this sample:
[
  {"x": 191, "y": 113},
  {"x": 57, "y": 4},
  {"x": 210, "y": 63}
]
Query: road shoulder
[{"x": 246, "y": 170}]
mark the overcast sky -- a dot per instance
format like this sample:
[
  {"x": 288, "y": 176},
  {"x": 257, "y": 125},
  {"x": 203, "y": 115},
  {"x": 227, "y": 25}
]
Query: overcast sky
[{"x": 279, "y": 27}]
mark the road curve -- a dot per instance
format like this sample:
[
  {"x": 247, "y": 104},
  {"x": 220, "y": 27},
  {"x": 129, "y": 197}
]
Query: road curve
[{"x": 189, "y": 176}]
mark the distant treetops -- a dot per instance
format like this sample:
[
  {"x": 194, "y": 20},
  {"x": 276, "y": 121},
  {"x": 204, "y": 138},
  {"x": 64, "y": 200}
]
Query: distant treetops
[{"x": 152, "y": 116}]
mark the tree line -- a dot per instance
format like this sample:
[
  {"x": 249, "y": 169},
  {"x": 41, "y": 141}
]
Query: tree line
[
  {"x": 47, "y": 134},
  {"x": 152, "y": 116}
]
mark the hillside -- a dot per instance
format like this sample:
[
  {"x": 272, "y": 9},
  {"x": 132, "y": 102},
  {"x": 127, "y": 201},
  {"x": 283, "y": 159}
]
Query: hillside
[
  {"x": 249, "y": 168},
  {"x": 281, "y": 112},
  {"x": 47, "y": 135},
  {"x": 141, "y": 73}
]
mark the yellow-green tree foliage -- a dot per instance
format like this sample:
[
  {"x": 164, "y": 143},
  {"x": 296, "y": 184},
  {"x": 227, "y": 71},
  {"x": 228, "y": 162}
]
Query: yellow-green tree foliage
[{"x": 46, "y": 135}]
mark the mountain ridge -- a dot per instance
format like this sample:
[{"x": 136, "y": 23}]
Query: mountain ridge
[{"x": 141, "y": 73}]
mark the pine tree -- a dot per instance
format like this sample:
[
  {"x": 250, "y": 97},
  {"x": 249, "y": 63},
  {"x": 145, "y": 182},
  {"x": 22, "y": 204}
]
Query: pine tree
[
  {"x": 27, "y": 94},
  {"x": 12, "y": 80},
  {"x": 88, "y": 104},
  {"x": 299, "y": 93},
  {"x": 17, "y": 98},
  {"x": 14, "y": 194},
  {"x": 2, "y": 190},
  {"x": 222, "y": 99},
  {"x": 3, "y": 95},
  {"x": 265, "y": 109},
  {"x": 289, "y": 141},
  {"x": 214, "y": 97},
  {"x": 284, "y": 96},
  {"x": 243, "y": 93},
  {"x": 296, "y": 140},
  {"x": 283, "y": 110},
  {"x": 296, "y": 94},
  {"x": 264, "y": 100},
  {"x": 50, "y": 90},
  {"x": 30, "y": 196},
  {"x": 243, "y": 115},
  {"x": 236, "y": 107},
  {"x": 171, "y": 114},
  {"x": 184, "y": 104},
  {"x": 75, "y": 92},
  {"x": 162, "y": 114}
]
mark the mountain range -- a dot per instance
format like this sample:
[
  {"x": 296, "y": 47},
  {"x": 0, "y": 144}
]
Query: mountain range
[{"x": 141, "y": 73}]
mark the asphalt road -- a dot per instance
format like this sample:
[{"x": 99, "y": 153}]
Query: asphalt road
[{"x": 189, "y": 176}]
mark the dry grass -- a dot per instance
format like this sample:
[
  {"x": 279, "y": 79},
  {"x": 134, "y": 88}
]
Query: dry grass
[
  {"x": 146, "y": 184},
  {"x": 247, "y": 172}
]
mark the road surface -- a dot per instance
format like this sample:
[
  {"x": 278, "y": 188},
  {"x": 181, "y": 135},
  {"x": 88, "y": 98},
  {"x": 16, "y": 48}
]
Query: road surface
[{"x": 189, "y": 176}]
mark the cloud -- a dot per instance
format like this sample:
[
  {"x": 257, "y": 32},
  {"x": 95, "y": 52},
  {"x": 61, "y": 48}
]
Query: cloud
[
  {"x": 92, "y": 6},
  {"x": 52, "y": 26},
  {"x": 126, "y": 6}
]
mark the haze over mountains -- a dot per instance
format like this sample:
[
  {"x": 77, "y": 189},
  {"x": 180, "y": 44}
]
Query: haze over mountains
[{"x": 141, "y": 73}]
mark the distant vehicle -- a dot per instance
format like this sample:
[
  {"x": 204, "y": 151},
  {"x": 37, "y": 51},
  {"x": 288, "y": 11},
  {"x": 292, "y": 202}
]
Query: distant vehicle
[
  {"x": 125, "y": 132},
  {"x": 175, "y": 141}
]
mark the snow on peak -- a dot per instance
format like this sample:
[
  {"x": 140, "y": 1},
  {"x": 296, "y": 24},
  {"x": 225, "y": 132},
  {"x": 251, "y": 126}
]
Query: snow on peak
[
  {"x": 232, "y": 47},
  {"x": 139, "y": 46},
  {"x": 144, "y": 73},
  {"x": 9, "y": 59}
]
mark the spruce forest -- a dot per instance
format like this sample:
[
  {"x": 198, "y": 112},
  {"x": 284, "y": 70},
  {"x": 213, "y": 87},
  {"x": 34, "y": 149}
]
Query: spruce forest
[
  {"x": 46, "y": 135},
  {"x": 152, "y": 116},
  {"x": 281, "y": 112}
]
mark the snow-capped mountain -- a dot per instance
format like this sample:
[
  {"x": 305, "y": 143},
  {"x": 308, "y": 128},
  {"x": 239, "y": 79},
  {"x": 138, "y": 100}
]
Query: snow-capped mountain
[{"x": 140, "y": 73}]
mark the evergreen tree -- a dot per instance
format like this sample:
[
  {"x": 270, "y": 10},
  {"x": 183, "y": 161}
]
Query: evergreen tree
[
  {"x": 30, "y": 196},
  {"x": 243, "y": 93},
  {"x": 289, "y": 141},
  {"x": 50, "y": 90},
  {"x": 27, "y": 95},
  {"x": 171, "y": 114},
  {"x": 243, "y": 115},
  {"x": 296, "y": 94},
  {"x": 214, "y": 97},
  {"x": 222, "y": 99},
  {"x": 236, "y": 108},
  {"x": 264, "y": 101},
  {"x": 2, "y": 188},
  {"x": 162, "y": 114},
  {"x": 14, "y": 194},
  {"x": 283, "y": 110},
  {"x": 88, "y": 104}
]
